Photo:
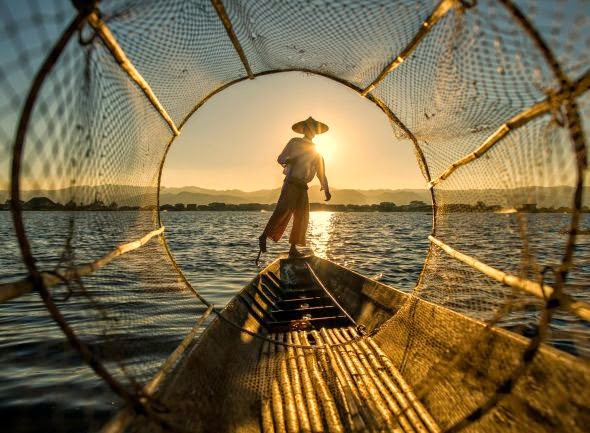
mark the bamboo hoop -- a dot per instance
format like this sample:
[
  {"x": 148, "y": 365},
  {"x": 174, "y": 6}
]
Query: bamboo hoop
[
  {"x": 521, "y": 119},
  {"x": 328, "y": 404},
  {"x": 380, "y": 104},
  {"x": 579, "y": 308},
  {"x": 121, "y": 58},
  {"x": 13, "y": 290},
  {"x": 441, "y": 9},
  {"x": 16, "y": 209}
]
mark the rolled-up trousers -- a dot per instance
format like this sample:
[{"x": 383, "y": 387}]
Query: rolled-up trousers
[{"x": 292, "y": 201}]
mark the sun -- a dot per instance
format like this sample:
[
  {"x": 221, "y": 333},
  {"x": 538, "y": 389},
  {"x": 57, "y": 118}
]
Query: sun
[{"x": 325, "y": 145}]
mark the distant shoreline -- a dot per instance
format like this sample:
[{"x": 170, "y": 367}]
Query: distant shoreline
[{"x": 46, "y": 204}]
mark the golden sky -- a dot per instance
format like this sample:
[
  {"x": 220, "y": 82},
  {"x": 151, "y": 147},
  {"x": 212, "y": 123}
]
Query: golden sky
[{"x": 234, "y": 139}]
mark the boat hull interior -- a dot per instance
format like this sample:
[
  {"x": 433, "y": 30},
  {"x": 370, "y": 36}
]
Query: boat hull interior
[{"x": 444, "y": 366}]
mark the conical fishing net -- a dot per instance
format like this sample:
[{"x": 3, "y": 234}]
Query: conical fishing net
[{"x": 491, "y": 95}]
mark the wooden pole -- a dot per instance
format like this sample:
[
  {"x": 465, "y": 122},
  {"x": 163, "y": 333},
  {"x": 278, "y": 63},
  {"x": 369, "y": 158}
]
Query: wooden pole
[
  {"x": 354, "y": 394},
  {"x": 10, "y": 291},
  {"x": 381, "y": 413},
  {"x": 579, "y": 308},
  {"x": 220, "y": 9},
  {"x": 439, "y": 11},
  {"x": 121, "y": 58},
  {"x": 392, "y": 405},
  {"x": 521, "y": 119}
]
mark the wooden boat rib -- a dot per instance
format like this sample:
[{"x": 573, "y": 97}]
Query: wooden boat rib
[{"x": 313, "y": 371}]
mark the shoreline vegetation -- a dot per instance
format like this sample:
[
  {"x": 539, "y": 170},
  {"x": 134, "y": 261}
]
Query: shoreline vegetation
[{"x": 46, "y": 204}]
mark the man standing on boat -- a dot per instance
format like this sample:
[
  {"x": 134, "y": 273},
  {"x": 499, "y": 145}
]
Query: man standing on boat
[{"x": 301, "y": 162}]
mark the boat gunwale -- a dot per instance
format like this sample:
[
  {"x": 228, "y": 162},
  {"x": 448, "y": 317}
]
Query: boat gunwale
[{"x": 501, "y": 332}]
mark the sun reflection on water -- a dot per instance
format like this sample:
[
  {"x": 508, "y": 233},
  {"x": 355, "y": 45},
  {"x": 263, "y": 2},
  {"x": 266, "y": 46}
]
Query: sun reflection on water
[{"x": 321, "y": 227}]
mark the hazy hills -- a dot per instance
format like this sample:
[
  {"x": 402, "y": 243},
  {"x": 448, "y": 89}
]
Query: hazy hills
[
  {"x": 339, "y": 196},
  {"x": 132, "y": 195}
]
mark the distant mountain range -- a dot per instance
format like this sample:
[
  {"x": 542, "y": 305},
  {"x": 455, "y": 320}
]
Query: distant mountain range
[
  {"x": 133, "y": 195},
  {"x": 339, "y": 196}
]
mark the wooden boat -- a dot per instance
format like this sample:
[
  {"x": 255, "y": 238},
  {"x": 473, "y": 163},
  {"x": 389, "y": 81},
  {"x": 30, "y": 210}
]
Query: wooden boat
[{"x": 389, "y": 362}]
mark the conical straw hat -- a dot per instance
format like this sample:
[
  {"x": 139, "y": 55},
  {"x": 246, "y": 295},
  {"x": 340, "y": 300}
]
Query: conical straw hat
[{"x": 310, "y": 122}]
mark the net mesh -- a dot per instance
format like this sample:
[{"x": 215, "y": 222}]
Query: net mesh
[{"x": 92, "y": 142}]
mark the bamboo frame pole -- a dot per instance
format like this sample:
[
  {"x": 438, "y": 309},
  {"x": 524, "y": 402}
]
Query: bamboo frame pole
[
  {"x": 10, "y": 291},
  {"x": 404, "y": 424},
  {"x": 406, "y": 389},
  {"x": 552, "y": 103},
  {"x": 327, "y": 402},
  {"x": 313, "y": 409},
  {"x": 358, "y": 370},
  {"x": 121, "y": 58},
  {"x": 344, "y": 386},
  {"x": 120, "y": 422},
  {"x": 576, "y": 133},
  {"x": 579, "y": 308},
  {"x": 331, "y": 397},
  {"x": 406, "y": 409},
  {"x": 266, "y": 402},
  {"x": 298, "y": 393},
  {"x": 443, "y": 7},
  {"x": 221, "y": 12},
  {"x": 292, "y": 420},
  {"x": 276, "y": 396},
  {"x": 366, "y": 407}
]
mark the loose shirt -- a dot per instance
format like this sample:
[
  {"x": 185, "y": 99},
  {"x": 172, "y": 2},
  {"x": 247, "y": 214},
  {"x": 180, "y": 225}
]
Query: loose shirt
[{"x": 302, "y": 161}]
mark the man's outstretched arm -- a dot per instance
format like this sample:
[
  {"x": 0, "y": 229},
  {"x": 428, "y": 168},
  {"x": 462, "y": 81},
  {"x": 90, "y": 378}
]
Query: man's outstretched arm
[{"x": 321, "y": 174}]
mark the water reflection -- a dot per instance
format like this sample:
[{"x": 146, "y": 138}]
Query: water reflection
[{"x": 321, "y": 228}]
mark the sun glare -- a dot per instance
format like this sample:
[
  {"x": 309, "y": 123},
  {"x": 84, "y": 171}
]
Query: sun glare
[
  {"x": 325, "y": 145},
  {"x": 320, "y": 231}
]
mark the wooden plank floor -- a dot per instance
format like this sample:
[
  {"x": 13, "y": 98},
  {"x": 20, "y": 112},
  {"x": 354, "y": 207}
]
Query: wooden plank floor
[{"x": 351, "y": 387}]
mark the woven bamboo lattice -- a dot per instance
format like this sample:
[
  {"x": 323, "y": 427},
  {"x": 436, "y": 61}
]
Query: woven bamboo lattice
[{"x": 492, "y": 96}]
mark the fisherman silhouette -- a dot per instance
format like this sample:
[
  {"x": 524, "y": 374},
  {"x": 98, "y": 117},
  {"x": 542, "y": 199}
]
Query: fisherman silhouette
[{"x": 301, "y": 162}]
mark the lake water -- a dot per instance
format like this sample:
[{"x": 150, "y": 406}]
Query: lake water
[{"x": 45, "y": 387}]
